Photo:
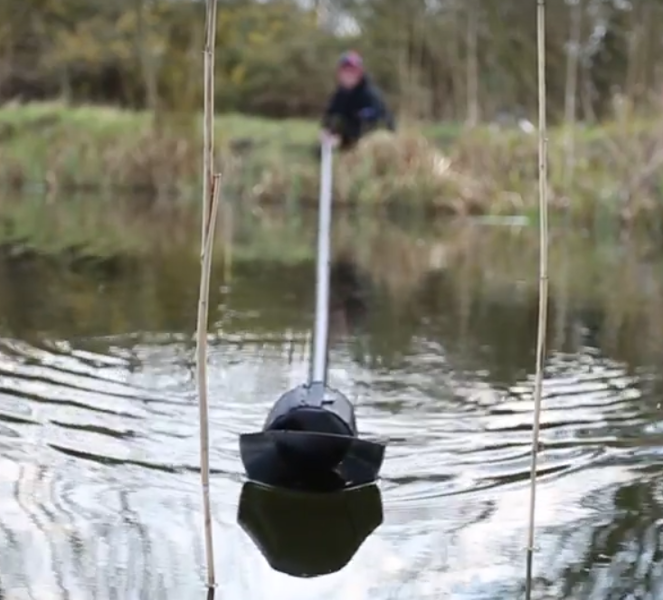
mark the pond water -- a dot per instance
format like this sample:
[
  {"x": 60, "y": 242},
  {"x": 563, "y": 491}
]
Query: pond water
[{"x": 433, "y": 332}]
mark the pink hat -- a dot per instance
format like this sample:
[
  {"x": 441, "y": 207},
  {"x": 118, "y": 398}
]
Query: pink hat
[{"x": 351, "y": 59}]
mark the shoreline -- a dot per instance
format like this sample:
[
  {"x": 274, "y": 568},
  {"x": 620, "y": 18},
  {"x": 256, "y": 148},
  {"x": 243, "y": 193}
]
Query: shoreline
[{"x": 116, "y": 178}]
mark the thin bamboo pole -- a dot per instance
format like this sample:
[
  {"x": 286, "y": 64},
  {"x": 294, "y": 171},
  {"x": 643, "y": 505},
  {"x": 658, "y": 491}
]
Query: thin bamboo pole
[
  {"x": 211, "y": 194},
  {"x": 208, "y": 108},
  {"x": 543, "y": 283}
]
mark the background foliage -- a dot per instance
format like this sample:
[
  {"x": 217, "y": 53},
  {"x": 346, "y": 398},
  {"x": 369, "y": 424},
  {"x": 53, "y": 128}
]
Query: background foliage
[{"x": 436, "y": 59}]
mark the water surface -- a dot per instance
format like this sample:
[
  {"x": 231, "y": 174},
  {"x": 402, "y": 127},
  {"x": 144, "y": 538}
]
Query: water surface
[{"x": 99, "y": 488}]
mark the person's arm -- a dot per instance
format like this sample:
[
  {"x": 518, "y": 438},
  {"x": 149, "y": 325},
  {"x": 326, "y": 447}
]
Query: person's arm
[
  {"x": 331, "y": 114},
  {"x": 375, "y": 111}
]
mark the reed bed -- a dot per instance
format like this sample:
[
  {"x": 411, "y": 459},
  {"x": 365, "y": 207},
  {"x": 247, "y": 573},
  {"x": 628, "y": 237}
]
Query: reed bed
[{"x": 63, "y": 151}]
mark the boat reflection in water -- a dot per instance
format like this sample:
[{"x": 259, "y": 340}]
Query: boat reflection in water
[{"x": 309, "y": 532}]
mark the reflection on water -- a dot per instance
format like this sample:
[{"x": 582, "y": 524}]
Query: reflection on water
[
  {"x": 434, "y": 340},
  {"x": 307, "y": 534}
]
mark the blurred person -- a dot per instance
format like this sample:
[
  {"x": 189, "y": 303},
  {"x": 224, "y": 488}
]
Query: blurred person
[{"x": 356, "y": 107}]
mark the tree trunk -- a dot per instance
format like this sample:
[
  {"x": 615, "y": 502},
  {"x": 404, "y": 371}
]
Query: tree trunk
[
  {"x": 571, "y": 90},
  {"x": 472, "y": 65}
]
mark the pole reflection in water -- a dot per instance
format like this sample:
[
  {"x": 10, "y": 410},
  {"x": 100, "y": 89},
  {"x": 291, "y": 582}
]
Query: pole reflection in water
[{"x": 306, "y": 533}]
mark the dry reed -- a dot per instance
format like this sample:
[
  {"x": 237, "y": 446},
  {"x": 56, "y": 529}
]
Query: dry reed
[
  {"x": 211, "y": 193},
  {"x": 543, "y": 285}
]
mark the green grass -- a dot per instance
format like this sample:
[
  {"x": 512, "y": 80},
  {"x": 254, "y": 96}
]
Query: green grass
[{"x": 113, "y": 179}]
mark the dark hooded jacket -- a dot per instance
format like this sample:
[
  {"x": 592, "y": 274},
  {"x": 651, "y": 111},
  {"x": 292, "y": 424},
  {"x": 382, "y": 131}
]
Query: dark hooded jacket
[{"x": 351, "y": 113}]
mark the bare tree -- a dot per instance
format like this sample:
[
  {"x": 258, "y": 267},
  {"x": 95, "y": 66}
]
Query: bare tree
[
  {"x": 571, "y": 88},
  {"x": 472, "y": 63},
  {"x": 147, "y": 59}
]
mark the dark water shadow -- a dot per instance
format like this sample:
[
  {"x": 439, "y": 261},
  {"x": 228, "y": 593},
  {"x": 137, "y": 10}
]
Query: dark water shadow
[{"x": 307, "y": 533}]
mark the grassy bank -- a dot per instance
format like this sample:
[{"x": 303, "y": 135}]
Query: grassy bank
[{"x": 112, "y": 153}]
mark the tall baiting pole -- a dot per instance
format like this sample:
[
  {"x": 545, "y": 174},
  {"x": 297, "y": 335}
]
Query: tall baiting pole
[
  {"x": 543, "y": 283},
  {"x": 211, "y": 193},
  {"x": 321, "y": 332}
]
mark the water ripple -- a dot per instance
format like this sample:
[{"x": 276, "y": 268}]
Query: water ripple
[{"x": 99, "y": 468}]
